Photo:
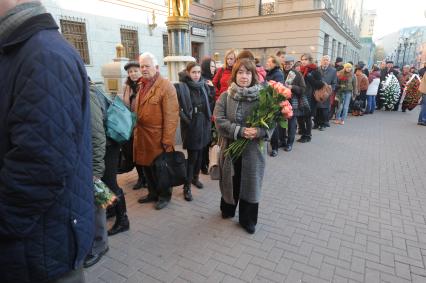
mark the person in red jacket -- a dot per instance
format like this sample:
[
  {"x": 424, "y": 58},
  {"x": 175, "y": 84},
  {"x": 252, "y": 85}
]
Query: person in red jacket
[{"x": 223, "y": 76}]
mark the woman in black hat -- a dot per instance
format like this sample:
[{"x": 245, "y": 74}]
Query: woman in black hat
[{"x": 131, "y": 89}]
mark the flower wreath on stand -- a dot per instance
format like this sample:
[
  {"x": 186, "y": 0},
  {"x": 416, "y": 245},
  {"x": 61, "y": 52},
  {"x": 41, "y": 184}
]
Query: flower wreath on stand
[{"x": 273, "y": 108}]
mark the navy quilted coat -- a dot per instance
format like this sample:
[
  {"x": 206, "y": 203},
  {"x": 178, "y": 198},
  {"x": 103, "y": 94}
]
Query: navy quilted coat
[{"x": 46, "y": 195}]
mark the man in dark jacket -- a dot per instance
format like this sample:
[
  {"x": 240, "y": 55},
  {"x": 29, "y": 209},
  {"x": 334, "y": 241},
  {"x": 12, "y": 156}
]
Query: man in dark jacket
[
  {"x": 46, "y": 189},
  {"x": 329, "y": 76}
]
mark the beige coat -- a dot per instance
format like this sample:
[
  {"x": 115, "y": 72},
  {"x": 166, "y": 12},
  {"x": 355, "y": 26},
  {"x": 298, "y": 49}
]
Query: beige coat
[{"x": 157, "y": 119}]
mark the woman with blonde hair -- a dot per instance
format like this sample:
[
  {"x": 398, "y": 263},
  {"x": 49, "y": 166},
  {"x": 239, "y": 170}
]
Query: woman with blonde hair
[
  {"x": 223, "y": 75},
  {"x": 346, "y": 89}
]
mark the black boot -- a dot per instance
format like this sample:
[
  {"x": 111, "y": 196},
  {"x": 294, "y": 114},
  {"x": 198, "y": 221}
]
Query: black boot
[
  {"x": 121, "y": 220},
  {"x": 196, "y": 182},
  {"x": 248, "y": 215},
  {"x": 139, "y": 184},
  {"x": 187, "y": 192}
]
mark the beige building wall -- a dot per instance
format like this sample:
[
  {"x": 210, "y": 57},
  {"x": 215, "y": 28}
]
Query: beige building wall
[
  {"x": 367, "y": 23},
  {"x": 296, "y": 27},
  {"x": 201, "y": 33}
]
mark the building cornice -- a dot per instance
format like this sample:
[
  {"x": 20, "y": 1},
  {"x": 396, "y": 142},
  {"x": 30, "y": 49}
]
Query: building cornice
[{"x": 322, "y": 13}]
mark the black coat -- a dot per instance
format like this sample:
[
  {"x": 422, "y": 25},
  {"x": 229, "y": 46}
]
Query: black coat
[
  {"x": 298, "y": 100},
  {"x": 313, "y": 80},
  {"x": 195, "y": 114},
  {"x": 275, "y": 74},
  {"x": 46, "y": 185}
]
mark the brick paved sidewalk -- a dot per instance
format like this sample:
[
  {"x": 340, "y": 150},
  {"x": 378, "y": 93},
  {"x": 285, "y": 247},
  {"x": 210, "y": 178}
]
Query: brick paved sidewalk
[{"x": 348, "y": 207}]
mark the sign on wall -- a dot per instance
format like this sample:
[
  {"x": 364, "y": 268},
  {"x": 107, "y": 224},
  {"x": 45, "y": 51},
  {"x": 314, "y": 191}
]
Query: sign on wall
[{"x": 199, "y": 31}]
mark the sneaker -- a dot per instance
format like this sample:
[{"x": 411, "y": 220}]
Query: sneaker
[
  {"x": 342, "y": 122},
  {"x": 421, "y": 123},
  {"x": 274, "y": 153}
]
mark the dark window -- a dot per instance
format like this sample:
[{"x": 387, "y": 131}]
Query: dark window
[
  {"x": 75, "y": 33},
  {"x": 129, "y": 39},
  {"x": 165, "y": 46}
]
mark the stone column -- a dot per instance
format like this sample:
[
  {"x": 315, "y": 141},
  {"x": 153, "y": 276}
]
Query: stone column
[
  {"x": 114, "y": 74},
  {"x": 179, "y": 41}
]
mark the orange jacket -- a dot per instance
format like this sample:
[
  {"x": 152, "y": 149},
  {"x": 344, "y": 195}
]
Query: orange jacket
[{"x": 157, "y": 119}]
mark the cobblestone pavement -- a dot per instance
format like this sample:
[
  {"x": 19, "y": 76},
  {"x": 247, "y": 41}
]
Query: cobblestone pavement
[{"x": 348, "y": 207}]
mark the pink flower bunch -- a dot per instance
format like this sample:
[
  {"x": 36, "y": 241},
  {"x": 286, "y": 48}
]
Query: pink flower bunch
[
  {"x": 286, "y": 109},
  {"x": 281, "y": 89}
]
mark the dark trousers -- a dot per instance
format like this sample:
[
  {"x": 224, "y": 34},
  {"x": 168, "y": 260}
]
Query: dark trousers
[
  {"x": 363, "y": 98},
  {"x": 127, "y": 149},
  {"x": 153, "y": 190},
  {"x": 290, "y": 132},
  {"x": 321, "y": 116},
  {"x": 111, "y": 164},
  {"x": 247, "y": 211},
  {"x": 205, "y": 158},
  {"x": 110, "y": 177},
  {"x": 305, "y": 125},
  {"x": 194, "y": 164},
  {"x": 277, "y": 138},
  {"x": 379, "y": 100}
]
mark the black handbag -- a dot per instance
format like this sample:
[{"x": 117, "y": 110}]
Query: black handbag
[{"x": 170, "y": 169}]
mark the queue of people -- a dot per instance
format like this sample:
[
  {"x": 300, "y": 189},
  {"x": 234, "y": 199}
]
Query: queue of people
[{"x": 49, "y": 161}]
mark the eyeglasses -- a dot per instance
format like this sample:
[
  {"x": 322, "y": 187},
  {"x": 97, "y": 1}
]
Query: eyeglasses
[{"x": 304, "y": 59}]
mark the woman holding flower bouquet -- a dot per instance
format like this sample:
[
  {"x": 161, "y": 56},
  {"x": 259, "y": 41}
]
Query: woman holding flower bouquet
[{"x": 241, "y": 177}]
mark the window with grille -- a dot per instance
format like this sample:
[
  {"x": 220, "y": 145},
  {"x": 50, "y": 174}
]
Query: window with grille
[
  {"x": 129, "y": 39},
  {"x": 267, "y": 7},
  {"x": 165, "y": 46},
  {"x": 75, "y": 33}
]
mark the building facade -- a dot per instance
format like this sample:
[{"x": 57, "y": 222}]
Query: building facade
[
  {"x": 368, "y": 47},
  {"x": 294, "y": 26},
  {"x": 406, "y": 47},
  {"x": 95, "y": 27}
]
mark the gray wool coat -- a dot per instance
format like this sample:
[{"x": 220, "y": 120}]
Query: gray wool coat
[
  {"x": 231, "y": 112},
  {"x": 329, "y": 76}
]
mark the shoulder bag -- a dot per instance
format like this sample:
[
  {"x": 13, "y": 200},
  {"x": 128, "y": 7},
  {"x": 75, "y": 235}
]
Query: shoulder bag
[{"x": 120, "y": 120}]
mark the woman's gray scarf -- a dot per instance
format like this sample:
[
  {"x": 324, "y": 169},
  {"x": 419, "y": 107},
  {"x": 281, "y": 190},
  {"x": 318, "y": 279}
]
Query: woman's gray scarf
[
  {"x": 17, "y": 16},
  {"x": 244, "y": 93}
]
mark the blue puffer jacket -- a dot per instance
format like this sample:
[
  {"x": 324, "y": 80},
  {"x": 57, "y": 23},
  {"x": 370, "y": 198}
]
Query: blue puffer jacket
[{"x": 46, "y": 194}]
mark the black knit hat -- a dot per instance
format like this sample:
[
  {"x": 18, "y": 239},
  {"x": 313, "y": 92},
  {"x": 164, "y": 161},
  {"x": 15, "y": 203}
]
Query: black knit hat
[
  {"x": 339, "y": 59},
  {"x": 131, "y": 64}
]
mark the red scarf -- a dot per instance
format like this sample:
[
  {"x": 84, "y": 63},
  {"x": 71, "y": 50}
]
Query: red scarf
[
  {"x": 308, "y": 68},
  {"x": 146, "y": 84}
]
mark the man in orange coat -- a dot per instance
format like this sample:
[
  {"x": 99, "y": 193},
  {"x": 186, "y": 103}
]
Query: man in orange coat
[{"x": 157, "y": 112}]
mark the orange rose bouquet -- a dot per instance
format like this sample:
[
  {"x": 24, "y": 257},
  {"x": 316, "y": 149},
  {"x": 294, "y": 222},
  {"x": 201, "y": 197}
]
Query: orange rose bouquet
[{"x": 273, "y": 108}]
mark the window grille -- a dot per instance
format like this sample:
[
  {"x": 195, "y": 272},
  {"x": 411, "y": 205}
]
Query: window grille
[
  {"x": 75, "y": 33},
  {"x": 129, "y": 39}
]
